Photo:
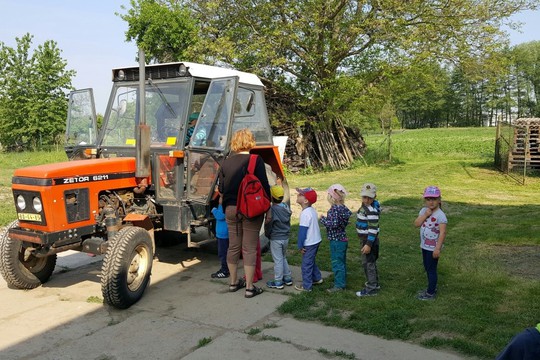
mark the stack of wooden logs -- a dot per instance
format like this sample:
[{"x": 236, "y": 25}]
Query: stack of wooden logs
[{"x": 335, "y": 148}]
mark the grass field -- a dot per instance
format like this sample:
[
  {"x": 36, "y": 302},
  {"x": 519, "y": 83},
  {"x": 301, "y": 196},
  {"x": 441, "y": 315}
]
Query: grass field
[{"x": 489, "y": 270}]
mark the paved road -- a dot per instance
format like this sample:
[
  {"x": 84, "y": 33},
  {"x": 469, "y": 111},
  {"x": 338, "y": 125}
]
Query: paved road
[{"x": 180, "y": 311}]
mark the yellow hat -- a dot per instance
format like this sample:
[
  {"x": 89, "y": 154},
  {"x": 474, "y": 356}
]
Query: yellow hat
[{"x": 277, "y": 192}]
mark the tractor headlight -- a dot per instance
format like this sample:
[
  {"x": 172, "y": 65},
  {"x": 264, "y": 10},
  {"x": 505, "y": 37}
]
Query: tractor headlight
[
  {"x": 36, "y": 202},
  {"x": 21, "y": 203}
]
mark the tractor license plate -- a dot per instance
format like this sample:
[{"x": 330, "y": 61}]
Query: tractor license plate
[{"x": 29, "y": 217}]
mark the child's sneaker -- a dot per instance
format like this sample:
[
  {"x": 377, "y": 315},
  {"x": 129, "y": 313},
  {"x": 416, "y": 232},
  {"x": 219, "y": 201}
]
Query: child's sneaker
[
  {"x": 219, "y": 275},
  {"x": 300, "y": 288},
  {"x": 426, "y": 296},
  {"x": 423, "y": 292},
  {"x": 318, "y": 282},
  {"x": 377, "y": 287},
  {"x": 287, "y": 280},
  {"x": 335, "y": 289},
  {"x": 365, "y": 292},
  {"x": 274, "y": 284}
]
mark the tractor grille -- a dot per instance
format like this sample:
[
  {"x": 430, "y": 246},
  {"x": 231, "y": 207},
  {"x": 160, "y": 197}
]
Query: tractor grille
[{"x": 77, "y": 205}]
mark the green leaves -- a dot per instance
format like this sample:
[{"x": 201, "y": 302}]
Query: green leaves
[
  {"x": 33, "y": 104},
  {"x": 338, "y": 59},
  {"x": 164, "y": 29}
]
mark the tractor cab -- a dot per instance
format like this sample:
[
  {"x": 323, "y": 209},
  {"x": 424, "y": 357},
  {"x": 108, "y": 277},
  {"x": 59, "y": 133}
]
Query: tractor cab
[{"x": 191, "y": 110}]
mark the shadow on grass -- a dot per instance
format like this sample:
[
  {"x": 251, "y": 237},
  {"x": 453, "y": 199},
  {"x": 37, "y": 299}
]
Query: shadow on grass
[{"x": 487, "y": 275}]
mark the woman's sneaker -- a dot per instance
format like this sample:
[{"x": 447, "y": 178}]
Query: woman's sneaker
[
  {"x": 287, "y": 280},
  {"x": 274, "y": 284}
]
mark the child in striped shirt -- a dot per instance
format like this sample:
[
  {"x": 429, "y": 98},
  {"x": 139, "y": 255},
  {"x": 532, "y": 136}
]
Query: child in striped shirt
[{"x": 367, "y": 227}]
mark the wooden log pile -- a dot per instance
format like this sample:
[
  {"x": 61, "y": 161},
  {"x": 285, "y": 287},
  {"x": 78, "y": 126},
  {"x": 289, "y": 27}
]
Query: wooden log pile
[{"x": 335, "y": 148}]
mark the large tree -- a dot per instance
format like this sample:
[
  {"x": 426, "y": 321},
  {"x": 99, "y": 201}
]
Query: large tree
[
  {"x": 310, "y": 46},
  {"x": 164, "y": 30},
  {"x": 527, "y": 65},
  {"x": 33, "y": 104}
]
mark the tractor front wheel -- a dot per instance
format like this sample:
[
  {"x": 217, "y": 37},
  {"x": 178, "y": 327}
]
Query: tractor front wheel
[
  {"x": 126, "y": 267},
  {"x": 20, "y": 270}
]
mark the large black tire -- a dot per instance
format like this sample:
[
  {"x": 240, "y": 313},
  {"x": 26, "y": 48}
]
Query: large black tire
[
  {"x": 126, "y": 267},
  {"x": 18, "y": 272}
]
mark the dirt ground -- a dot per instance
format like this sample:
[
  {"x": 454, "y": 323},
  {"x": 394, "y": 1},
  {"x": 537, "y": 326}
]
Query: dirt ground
[{"x": 521, "y": 261}]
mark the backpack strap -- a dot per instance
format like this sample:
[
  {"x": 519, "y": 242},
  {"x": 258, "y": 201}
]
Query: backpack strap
[{"x": 252, "y": 163}]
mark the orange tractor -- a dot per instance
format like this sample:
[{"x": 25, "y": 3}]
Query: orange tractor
[{"x": 151, "y": 166}]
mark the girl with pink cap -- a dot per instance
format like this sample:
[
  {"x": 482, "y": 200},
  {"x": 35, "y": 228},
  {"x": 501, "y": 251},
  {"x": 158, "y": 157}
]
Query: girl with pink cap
[{"x": 432, "y": 223}]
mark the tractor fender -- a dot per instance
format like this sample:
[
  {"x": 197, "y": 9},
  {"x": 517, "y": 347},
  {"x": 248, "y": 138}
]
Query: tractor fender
[{"x": 142, "y": 221}]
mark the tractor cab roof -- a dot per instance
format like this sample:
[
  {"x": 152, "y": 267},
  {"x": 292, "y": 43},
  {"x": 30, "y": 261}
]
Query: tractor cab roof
[{"x": 184, "y": 69}]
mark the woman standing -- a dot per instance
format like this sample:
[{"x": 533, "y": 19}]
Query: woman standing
[{"x": 243, "y": 232}]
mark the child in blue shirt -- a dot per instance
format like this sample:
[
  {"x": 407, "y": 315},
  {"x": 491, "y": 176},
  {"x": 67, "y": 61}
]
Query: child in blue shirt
[
  {"x": 222, "y": 235},
  {"x": 309, "y": 239},
  {"x": 335, "y": 222}
]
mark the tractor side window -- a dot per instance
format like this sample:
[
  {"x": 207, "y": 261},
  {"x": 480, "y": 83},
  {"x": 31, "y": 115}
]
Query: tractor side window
[
  {"x": 250, "y": 112},
  {"x": 211, "y": 128},
  {"x": 81, "y": 128},
  {"x": 166, "y": 105},
  {"x": 120, "y": 125}
]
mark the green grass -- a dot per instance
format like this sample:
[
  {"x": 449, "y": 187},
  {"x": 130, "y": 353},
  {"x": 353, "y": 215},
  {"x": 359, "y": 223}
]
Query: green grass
[
  {"x": 488, "y": 272},
  {"x": 203, "y": 342},
  {"x": 11, "y": 161},
  {"x": 94, "y": 300}
]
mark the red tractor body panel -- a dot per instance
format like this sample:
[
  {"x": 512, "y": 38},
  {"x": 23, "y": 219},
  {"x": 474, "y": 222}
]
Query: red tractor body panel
[{"x": 56, "y": 184}]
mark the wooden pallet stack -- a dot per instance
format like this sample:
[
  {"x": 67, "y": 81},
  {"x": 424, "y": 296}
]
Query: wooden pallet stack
[{"x": 526, "y": 147}]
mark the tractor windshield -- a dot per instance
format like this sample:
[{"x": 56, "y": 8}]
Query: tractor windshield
[{"x": 167, "y": 105}]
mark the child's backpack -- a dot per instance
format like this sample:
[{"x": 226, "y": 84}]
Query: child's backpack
[{"x": 252, "y": 200}]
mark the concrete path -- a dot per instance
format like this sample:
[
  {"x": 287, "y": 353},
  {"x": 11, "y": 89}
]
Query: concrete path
[{"x": 183, "y": 315}]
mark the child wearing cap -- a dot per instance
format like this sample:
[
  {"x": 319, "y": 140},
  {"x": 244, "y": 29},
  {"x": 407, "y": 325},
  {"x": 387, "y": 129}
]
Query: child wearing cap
[
  {"x": 309, "y": 239},
  {"x": 335, "y": 221},
  {"x": 191, "y": 126},
  {"x": 367, "y": 228},
  {"x": 432, "y": 223},
  {"x": 222, "y": 236},
  {"x": 278, "y": 230}
]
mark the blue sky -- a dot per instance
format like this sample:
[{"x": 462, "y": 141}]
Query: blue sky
[{"x": 92, "y": 37}]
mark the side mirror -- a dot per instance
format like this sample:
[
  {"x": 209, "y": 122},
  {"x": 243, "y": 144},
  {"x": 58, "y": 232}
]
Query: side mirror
[{"x": 122, "y": 108}]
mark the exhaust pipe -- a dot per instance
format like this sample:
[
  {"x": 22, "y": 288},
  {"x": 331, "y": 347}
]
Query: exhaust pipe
[{"x": 142, "y": 155}]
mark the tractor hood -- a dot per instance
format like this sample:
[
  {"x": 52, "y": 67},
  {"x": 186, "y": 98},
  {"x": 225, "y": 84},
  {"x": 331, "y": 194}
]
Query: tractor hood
[{"x": 78, "y": 171}]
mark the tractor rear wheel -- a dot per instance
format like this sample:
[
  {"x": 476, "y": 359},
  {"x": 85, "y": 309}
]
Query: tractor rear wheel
[
  {"x": 19, "y": 271},
  {"x": 126, "y": 267}
]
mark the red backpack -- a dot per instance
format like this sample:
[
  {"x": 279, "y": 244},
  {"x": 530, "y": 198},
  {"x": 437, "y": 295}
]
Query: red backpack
[{"x": 252, "y": 200}]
